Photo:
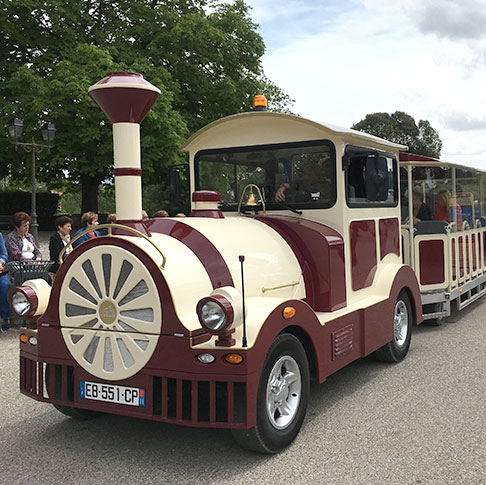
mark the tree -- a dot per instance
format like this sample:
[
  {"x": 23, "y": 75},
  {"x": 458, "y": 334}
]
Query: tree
[
  {"x": 399, "y": 127},
  {"x": 204, "y": 56}
]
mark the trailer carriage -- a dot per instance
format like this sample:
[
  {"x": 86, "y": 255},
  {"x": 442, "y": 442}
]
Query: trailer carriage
[
  {"x": 291, "y": 266},
  {"x": 447, "y": 253}
]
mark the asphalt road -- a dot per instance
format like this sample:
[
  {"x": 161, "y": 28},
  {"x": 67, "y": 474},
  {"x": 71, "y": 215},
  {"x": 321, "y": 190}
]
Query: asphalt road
[{"x": 418, "y": 422}]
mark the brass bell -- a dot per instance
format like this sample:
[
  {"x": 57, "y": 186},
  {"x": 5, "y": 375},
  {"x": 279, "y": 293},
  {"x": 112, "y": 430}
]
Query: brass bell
[{"x": 251, "y": 199}]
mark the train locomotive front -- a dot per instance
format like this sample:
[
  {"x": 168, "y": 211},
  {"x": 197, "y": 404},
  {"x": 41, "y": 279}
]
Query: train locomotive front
[{"x": 217, "y": 320}]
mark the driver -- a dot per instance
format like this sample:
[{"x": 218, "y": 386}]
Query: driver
[{"x": 308, "y": 187}]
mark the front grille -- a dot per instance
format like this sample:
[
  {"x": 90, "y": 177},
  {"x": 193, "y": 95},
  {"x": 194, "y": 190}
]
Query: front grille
[
  {"x": 47, "y": 382},
  {"x": 208, "y": 403},
  {"x": 199, "y": 402}
]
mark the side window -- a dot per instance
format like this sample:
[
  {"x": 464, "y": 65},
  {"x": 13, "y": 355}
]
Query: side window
[{"x": 371, "y": 178}]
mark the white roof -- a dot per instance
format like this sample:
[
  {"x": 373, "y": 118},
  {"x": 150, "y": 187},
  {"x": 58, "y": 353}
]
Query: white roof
[{"x": 326, "y": 127}]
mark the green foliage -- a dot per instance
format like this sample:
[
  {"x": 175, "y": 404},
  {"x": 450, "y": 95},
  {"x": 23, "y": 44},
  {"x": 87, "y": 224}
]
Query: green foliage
[
  {"x": 399, "y": 127},
  {"x": 70, "y": 202},
  {"x": 204, "y": 56}
]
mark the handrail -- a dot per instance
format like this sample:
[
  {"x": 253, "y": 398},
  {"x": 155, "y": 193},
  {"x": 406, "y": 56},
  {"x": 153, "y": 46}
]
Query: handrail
[
  {"x": 110, "y": 227},
  {"x": 249, "y": 186}
]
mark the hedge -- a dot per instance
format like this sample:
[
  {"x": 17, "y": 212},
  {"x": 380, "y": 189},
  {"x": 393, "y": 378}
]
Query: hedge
[{"x": 47, "y": 205}]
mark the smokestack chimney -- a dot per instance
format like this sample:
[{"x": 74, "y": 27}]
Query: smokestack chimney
[{"x": 125, "y": 97}]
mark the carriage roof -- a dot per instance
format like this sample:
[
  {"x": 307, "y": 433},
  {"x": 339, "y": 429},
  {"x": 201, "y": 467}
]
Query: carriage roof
[
  {"x": 350, "y": 136},
  {"x": 421, "y": 160}
]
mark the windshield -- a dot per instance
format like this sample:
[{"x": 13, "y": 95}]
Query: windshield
[{"x": 298, "y": 175}]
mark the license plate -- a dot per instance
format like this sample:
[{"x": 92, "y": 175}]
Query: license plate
[{"x": 132, "y": 396}]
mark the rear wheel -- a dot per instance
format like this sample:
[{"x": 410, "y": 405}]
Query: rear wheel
[
  {"x": 397, "y": 348},
  {"x": 283, "y": 394},
  {"x": 70, "y": 411}
]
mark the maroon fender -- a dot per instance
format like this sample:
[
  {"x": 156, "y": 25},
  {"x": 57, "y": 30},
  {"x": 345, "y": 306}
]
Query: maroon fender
[{"x": 320, "y": 253}]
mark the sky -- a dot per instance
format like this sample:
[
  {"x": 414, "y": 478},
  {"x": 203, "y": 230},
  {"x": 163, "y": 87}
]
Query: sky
[{"x": 340, "y": 60}]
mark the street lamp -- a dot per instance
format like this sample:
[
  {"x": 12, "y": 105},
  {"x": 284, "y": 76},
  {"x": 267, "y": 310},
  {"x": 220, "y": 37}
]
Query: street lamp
[{"x": 48, "y": 131}]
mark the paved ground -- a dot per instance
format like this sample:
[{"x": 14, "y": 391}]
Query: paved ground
[{"x": 418, "y": 422}]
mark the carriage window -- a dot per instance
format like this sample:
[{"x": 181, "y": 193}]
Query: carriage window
[
  {"x": 371, "y": 178},
  {"x": 298, "y": 175}
]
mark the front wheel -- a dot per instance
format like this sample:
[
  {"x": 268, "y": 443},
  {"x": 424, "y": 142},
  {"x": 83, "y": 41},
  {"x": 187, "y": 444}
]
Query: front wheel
[
  {"x": 397, "y": 348},
  {"x": 283, "y": 394}
]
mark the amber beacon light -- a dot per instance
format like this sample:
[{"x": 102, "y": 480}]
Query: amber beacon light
[{"x": 260, "y": 103}]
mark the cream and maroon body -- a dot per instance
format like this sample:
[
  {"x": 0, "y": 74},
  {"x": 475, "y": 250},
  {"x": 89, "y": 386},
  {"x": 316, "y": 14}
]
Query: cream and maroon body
[{"x": 340, "y": 268}]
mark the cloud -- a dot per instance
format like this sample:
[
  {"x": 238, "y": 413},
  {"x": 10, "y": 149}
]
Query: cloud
[
  {"x": 464, "y": 122},
  {"x": 284, "y": 21},
  {"x": 371, "y": 56},
  {"x": 454, "y": 19}
]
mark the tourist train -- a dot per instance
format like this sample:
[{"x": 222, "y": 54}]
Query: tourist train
[{"x": 303, "y": 252}]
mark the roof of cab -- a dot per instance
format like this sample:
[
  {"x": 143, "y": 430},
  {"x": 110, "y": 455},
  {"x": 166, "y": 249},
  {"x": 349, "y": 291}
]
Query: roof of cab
[{"x": 336, "y": 130}]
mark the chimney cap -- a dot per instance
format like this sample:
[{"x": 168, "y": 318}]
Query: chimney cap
[{"x": 124, "y": 96}]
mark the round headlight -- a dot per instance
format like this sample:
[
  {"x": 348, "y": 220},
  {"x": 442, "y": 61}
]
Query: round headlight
[
  {"x": 20, "y": 304},
  {"x": 213, "y": 316},
  {"x": 215, "y": 313}
]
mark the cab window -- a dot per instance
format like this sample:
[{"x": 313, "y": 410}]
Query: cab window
[
  {"x": 371, "y": 178},
  {"x": 297, "y": 175}
]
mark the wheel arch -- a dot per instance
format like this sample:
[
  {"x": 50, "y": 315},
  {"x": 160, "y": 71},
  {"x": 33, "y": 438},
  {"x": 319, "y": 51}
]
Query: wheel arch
[
  {"x": 410, "y": 295},
  {"x": 306, "y": 341},
  {"x": 305, "y": 326},
  {"x": 406, "y": 280}
]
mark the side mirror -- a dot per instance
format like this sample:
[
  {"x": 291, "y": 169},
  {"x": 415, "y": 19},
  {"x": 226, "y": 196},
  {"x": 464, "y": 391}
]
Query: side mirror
[{"x": 376, "y": 178}]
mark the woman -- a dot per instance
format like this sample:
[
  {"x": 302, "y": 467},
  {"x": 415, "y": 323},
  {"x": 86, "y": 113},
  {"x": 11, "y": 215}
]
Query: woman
[
  {"x": 442, "y": 208},
  {"x": 4, "y": 287},
  {"x": 89, "y": 220},
  {"x": 20, "y": 243},
  {"x": 60, "y": 239}
]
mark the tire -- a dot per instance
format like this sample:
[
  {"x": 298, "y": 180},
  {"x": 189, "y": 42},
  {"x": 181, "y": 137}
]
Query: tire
[
  {"x": 72, "y": 412},
  {"x": 397, "y": 348},
  {"x": 284, "y": 386}
]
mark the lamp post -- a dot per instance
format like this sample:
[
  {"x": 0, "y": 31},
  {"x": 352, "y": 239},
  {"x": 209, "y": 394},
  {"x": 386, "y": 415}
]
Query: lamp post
[{"x": 48, "y": 131}]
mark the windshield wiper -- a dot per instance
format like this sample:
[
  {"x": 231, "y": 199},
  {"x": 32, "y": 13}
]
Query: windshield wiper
[{"x": 291, "y": 209}]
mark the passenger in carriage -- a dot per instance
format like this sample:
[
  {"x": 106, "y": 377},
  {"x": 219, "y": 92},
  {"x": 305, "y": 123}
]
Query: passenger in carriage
[
  {"x": 421, "y": 211},
  {"x": 442, "y": 208}
]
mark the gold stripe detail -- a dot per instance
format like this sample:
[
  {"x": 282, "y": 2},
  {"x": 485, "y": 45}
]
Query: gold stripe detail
[{"x": 294, "y": 283}]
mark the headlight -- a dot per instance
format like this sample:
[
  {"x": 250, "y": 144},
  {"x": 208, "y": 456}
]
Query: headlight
[
  {"x": 20, "y": 304},
  {"x": 215, "y": 313},
  {"x": 24, "y": 300},
  {"x": 213, "y": 316}
]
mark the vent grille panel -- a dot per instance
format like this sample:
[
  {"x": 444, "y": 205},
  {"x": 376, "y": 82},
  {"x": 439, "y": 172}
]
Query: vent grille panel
[{"x": 342, "y": 342}]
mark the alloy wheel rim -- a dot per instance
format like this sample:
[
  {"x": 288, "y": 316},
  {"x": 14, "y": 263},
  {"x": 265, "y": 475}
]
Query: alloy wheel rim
[
  {"x": 400, "y": 323},
  {"x": 284, "y": 391}
]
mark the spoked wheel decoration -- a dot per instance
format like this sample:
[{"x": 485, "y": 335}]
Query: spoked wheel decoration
[{"x": 110, "y": 313}]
